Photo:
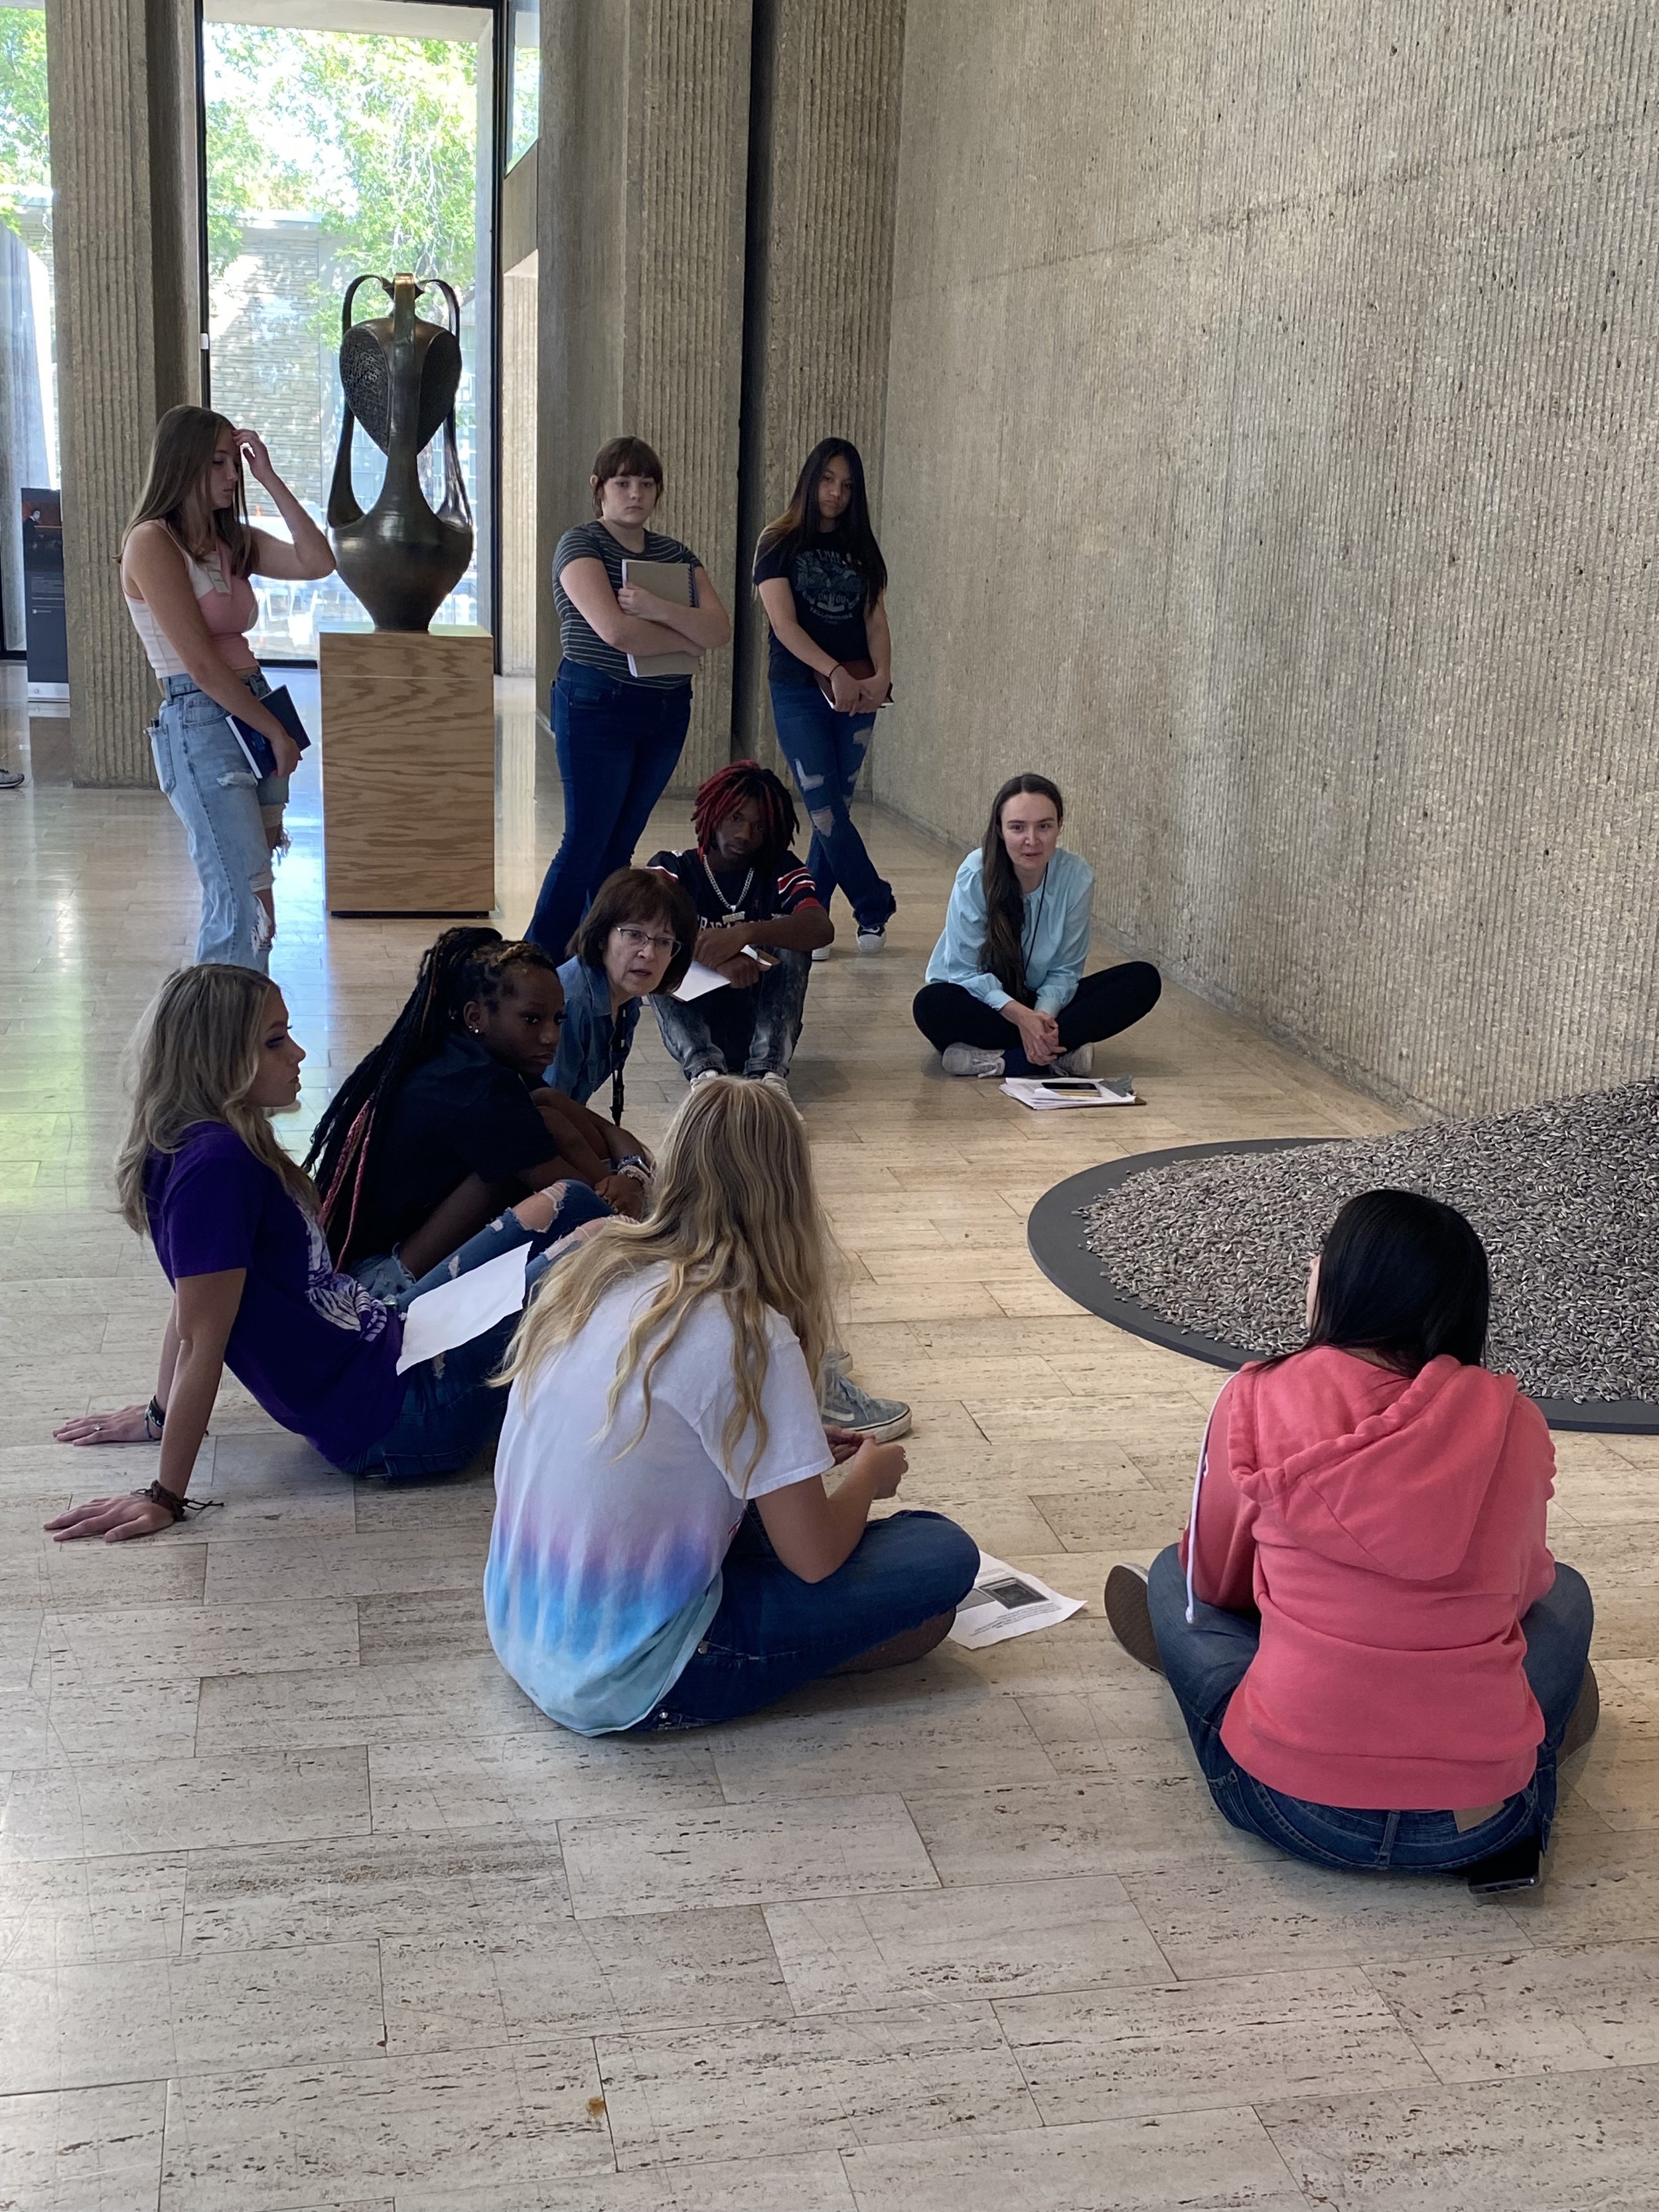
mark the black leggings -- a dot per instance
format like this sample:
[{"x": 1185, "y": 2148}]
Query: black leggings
[{"x": 1102, "y": 1004}]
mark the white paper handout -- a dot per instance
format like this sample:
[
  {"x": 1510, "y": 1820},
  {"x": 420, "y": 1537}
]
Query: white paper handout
[
  {"x": 462, "y": 1308},
  {"x": 700, "y": 980},
  {"x": 1046, "y": 1092},
  {"x": 1006, "y": 1601}
]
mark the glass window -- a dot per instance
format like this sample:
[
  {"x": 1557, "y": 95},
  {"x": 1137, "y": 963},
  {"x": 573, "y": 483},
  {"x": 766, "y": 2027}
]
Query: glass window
[
  {"x": 524, "y": 81},
  {"x": 28, "y": 378},
  {"x": 330, "y": 153}
]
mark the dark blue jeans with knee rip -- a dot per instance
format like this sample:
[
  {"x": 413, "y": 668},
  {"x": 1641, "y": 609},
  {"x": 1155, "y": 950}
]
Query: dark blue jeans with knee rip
[{"x": 825, "y": 751}]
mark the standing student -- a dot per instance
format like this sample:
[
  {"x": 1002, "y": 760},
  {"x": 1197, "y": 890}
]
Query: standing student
[
  {"x": 1006, "y": 992},
  {"x": 634, "y": 938},
  {"x": 822, "y": 583},
  {"x": 186, "y": 560},
  {"x": 234, "y": 1226},
  {"x": 450, "y": 1117},
  {"x": 664, "y": 1553},
  {"x": 1376, "y": 1656},
  {"x": 750, "y": 890},
  {"x": 619, "y": 735}
]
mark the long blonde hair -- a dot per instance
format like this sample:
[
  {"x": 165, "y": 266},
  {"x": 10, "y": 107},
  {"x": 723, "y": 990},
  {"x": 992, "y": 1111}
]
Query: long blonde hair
[
  {"x": 735, "y": 1216},
  {"x": 180, "y": 455},
  {"x": 195, "y": 1057}
]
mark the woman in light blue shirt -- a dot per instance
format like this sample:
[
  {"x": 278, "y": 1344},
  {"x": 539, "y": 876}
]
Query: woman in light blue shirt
[{"x": 1006, "y": 992}]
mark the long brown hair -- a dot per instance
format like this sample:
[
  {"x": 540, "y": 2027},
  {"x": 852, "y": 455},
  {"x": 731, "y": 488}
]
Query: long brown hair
[
  {"x": 1003, "y": 953},
  {"x": 180, "y": 456},
  {"x": 195, "y": 1054},
  {"x": 852, "y": 535},
  {"x": 734, "y": 1216}
]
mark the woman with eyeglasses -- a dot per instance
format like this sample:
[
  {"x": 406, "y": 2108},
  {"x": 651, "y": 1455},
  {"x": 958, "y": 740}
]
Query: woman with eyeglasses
[{"x": 636, "y": 938}]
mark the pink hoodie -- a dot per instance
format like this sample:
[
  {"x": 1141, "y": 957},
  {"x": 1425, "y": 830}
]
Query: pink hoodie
[{"x": 1390, "y": 1531}]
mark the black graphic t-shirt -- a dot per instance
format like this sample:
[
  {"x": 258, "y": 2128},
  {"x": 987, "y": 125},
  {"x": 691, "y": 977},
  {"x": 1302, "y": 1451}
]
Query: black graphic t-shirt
[{"x": 830, "y": 595}]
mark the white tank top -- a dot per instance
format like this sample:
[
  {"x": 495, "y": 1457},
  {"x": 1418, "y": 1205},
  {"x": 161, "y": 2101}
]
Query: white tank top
[{"x": 226, "y": 622}]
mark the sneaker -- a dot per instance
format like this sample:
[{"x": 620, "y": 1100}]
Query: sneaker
[
  {"x": 1586, "y": 1713},
  {"x": 11, "y": 778},
  {"x": 871, "y": 940},
  {"x": 773, "y": 1081},
  {"x": 1129, "y": 1614},
  {"x": 972, "y": 1060},
  {"x": 1080, "y": 1061},
  {"x": 821, "y": 951},
  {"x": 704, "y": 1075},
  {"x": 845, "y": 1405}
]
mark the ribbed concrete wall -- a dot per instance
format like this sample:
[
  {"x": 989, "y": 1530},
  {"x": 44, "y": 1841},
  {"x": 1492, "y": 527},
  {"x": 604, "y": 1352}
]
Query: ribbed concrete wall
[
  {"x": 642, "y": 178},
  {"x": 1270, "y": 458},
  {"x": 825, "y": 161},
  {"x": 124, "y": 216}
]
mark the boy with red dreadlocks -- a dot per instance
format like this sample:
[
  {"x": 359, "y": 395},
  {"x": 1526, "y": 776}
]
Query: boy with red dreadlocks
[{"x": 752, "y": 896}]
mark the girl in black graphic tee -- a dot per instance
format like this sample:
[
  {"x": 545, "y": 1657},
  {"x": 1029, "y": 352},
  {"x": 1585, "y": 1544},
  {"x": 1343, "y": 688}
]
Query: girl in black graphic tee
[{"x": 822, "y": 583}]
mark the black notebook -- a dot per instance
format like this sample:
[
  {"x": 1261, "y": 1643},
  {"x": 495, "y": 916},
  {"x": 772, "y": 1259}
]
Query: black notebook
[{"x": 261, "y": 757}]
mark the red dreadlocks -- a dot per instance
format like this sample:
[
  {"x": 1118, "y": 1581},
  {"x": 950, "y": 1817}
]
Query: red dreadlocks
[{"x": 725, "y": 791}]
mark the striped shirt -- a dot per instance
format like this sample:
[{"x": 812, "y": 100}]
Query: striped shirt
[
  {"x": 578, "y": 640},
  {"x": 759, "y": 893}
]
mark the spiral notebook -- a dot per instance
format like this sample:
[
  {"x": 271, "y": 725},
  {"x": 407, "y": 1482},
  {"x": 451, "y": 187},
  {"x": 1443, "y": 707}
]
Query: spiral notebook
[{"x": 664, "y": 579}]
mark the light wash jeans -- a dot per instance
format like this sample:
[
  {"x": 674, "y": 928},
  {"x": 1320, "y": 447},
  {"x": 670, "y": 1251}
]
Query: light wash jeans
[
  {"x": 748, "y": 1031},
  {"x": 449, "y": 1407},
  {"x": 227, "y": 812},
  {"x": 825, "y": 751}
]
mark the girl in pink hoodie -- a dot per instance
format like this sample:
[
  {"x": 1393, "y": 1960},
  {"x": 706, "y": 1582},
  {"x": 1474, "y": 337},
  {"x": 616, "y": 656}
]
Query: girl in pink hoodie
[{"x": 1374, "y": 1653}]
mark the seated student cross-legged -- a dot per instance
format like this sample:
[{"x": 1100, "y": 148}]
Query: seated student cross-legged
[
  {"x": 664, "y": 1552},
  {"x": 1006, "y": 992},
  {"x": 234, "y": 1225},
  {"x": 750, "y": 891},
  {"x": 1377, "y": 1658},
  {"x": 450, "y": 1118}
]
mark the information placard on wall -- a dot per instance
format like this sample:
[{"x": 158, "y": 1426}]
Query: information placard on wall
[{"x": 43, "y": 586}]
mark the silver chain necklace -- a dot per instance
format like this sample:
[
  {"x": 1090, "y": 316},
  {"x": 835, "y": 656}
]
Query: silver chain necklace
[{"x": 731, "y": 913}]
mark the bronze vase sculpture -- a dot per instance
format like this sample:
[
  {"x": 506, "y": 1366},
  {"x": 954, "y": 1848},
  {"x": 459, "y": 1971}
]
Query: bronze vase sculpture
[{"x": 400, "y": 375}]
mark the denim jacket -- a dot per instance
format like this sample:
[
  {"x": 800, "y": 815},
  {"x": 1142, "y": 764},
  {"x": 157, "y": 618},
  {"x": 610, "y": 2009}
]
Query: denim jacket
[{"x": 593, "y": 1043}]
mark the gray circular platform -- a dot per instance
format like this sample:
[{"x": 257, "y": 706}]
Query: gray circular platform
[{"x": 1055, "y": 1234}]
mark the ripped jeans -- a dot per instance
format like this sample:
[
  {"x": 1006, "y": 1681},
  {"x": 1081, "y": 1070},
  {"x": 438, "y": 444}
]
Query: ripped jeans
[
  {"x": 752, "y": 1031},
  {"x": 825, "y": 751},
  {"x": 232, "y": 820}
]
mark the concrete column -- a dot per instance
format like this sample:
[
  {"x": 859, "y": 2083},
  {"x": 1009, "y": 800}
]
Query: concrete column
[
  {"x": 122, "y": 78},
  {"x": 642, "y": 173},
  {"x": 823, "y": 179}
]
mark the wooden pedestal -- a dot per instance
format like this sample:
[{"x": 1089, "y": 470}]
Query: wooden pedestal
[{"x": 409, "y": 771}]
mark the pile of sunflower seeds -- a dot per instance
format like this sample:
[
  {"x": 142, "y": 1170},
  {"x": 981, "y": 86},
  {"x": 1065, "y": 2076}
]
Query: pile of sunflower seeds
[{"x": 1564, "y": 1195}]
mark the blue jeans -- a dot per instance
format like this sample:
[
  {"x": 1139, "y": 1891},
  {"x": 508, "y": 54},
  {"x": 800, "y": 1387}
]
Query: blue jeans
[
  {"x": 825, "y": 751},
  {"x": 449, "y": 1409},
  {"x": 1206, "y": 1662},
  {"x": 617, "y": 743},
  {"x": 747, "y": 1031},
  {"x": 228, "y": 815},
  {"x": 774, "y": 1631}
]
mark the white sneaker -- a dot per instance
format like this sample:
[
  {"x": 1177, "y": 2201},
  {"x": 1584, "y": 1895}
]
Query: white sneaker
[
  {"x": 821, "y": 951},
  {"x": 775, "y": 1082},
  {"x": 1080, "y": 1061},
  {"x": 703, "y": 1075},
  {"x": 972, "y": 1060},
  {"x": 871, "y": 940}
]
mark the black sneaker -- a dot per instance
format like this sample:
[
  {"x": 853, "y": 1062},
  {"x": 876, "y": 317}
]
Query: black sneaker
[{"x": 1129, "y": 1615}]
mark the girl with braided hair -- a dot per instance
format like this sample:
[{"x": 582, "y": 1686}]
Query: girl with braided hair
[
  {"x": 752, "y": 897},
  {"x": 449, "y": 1118}
]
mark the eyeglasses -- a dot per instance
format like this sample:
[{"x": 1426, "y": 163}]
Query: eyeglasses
[{"x": 637, "y": 939}]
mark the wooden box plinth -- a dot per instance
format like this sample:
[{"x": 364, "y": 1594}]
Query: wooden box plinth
[{"x": 409, "y": 771}]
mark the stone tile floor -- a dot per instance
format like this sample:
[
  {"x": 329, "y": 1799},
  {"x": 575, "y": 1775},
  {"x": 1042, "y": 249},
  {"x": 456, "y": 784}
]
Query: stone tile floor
[{"x": 302, "y": 1905}]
